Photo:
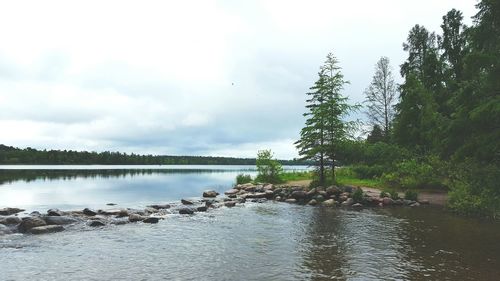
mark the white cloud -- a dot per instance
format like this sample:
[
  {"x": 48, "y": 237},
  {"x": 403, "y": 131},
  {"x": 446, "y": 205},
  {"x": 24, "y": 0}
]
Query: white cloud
[{"x": 186, "y": 77}]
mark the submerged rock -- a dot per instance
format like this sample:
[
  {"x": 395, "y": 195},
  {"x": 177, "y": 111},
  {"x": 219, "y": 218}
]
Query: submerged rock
[
  {"x": 10, "y": 211},
  {"x": 96, "y": 223},
  {"x": 291, "y": 200},
  {"x": 202, "y": 209},
  {"x": 151, "y": 220},
  {"x": 46, "y": 229},
  {"x": 357, "y": 205},
  {"x": 59, "y": 220},
  {"x": 186, "y": 211},
  {"x": 210, "y": 193},
  {"x": 160, "y": 206},
  {"x": 10, "y": 220}
]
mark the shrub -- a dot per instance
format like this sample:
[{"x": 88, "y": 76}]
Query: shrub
[
  {"x": 357, "y": 195},
  {"x": 428, "y": 172},
  {"x": 411, "y": 195},
  {"x": 384, "y": 194},
  {"x": 243, "y": 178},
  {"x": 394, "y": 194},
  {"x": 368, "y": 172},
  {"x": 268, "y": 169}
]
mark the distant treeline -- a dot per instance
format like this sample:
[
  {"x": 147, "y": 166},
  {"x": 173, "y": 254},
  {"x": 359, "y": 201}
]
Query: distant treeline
[{"x": 13, "y": 156}]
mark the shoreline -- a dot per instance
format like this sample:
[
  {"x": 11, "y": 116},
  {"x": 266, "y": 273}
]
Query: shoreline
[{"x": 55, "y": 220}]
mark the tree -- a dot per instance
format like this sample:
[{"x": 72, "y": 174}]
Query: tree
[
  {"x": 268, "y": 169},
  {"x": 325, "y": 128},
  {"x": 381, "y": 97},
  {"x": 376, "y": 135}
]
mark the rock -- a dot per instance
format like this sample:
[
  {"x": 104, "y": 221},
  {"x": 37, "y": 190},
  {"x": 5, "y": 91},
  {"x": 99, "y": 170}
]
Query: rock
[
  {"x": 30, "y": 222},
  {"x": 9, "y": 220},
  {"x": 151, "y": 220},
  {"x": 111, "y": 204},
  {"x": 269, "y": 194},
  {"x": 10, "y": 211},
  {"x": 54, "y": 212},
  {"x": 35, "y": 214},
  {"x": 135, "y": 218},
  {"x": 332, "y": 190},
  {"x": 160, "y": 206},
  {"x": 250, "y": 188},
  {"x": 120, "y": 213},
  {"x": 268, "y": 187},
  {"x": 202, "y": 209},
  {"x": 232, "y": 196},
  {"x": 230, "y": 204},
  {"x": 89, "y": 212},
  {"x": 149, "y": 211},
  {"x": 319, "y": 198},
  {"x": 329, "y": 203},
  {"x": 311, "y": 192},
  {"x": 46, "y": 229},
  {"x": 210, "y": 193},
  {"x": 278, "y": 198},
  {"x": 357, "y": 205},
  {"x": 348, "y": 202},
  {"x": 59, "y": 220},
  {"x": 186, "y": 211},
  {"x": 387, "y": 201},
  {"x": 186, "y": 202},
  {"x": 424, "y": 202},
  {"x": 209, "y": 203},
  {"x": 349, "y": 188},
  {"x": 256, "y": 195},
  {"x": 416, "y": 204},
  {"x": 259, "y": 200},
  {"x": 299, "y": 194},
  {"x": 4, "y": 230},
  {"x": 313, "y": 202},
  {"x": 231, "y": 192},
  {"x": 291, "y": 200},
  {"x": 96, "y": 223}
]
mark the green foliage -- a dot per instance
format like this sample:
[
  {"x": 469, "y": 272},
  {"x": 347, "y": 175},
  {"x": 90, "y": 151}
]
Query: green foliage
[
  {"x": 411, "y": 195},
  {"x": 296, "y": 176},
  {"x": 368, "y": 172},
  {"x": 474, "y": 189},
  {"x": 325, "y": 129},
  {"x": 384, "y": 194},
  {"x": 393, "y": 194},
  {"x": 243, "y": 178},
  {"x": 357, "y": 195},
  {"x": 269, "y": 169},
  {"x": 12, "y": 156},
  {"x": 429, "y": 172}
]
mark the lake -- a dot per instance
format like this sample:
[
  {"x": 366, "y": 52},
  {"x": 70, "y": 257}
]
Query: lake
[{"x": 254, "y": 241}]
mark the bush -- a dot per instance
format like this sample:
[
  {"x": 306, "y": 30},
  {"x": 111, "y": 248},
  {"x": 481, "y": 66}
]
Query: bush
[
  {"x": 411, "y": 195},
  {"x": 429, "y": 172},
  {"x": 357, "y": 195},
  {"x": 474, "y": 189},
  {"x": 243, "y": 178},
  {"x": 268, "y": 169},
  {"x": 368, "y": 172},
  {"x": 394, "y": 194},
  {"x": 384, "y": 194}
]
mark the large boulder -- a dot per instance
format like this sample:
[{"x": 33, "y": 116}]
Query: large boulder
[
  {"x": 10, "y": 220},
  {"x": 30, "y": 222},
  {"x": 232, "y": 191},
  {"x": 256, "y": 195},
  {"x": 59, "y": 220},
  {"x": 10, "y": 211},
  {"x": 135, "y": 218},
  {"x": 348, "y": 202},
  {"x": 329, "y": 203},
  {"x": 54, "y": 212},
  {"x": 387, "y": 201},
  {"x": 187, "y": 202},
  {"x": 46, "y": 229},
  {"x": 313, "y": 202},
  {"x": 210, "y": 193},
  {"x": 89, "y": 212}
]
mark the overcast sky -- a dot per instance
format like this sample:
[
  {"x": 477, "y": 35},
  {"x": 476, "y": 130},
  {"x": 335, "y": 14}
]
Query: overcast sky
[{"x": 221, "y": 78}]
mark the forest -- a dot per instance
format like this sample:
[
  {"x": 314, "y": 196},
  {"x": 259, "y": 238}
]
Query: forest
[
  {"x": 437, "y": 130},
  {"x": 14, "y": 156}
]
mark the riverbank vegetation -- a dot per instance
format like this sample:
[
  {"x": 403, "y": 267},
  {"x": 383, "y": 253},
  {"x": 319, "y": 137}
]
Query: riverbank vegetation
[
  {"x": 438, "y": 129},
  {"x": 15, "y": 156}
]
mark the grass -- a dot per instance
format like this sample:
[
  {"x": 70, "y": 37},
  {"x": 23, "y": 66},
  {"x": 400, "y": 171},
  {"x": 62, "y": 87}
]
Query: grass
[{"x": 344, "y": 177}]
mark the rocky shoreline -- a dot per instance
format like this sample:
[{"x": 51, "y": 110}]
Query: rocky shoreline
[{"x": 55, "y": 220}]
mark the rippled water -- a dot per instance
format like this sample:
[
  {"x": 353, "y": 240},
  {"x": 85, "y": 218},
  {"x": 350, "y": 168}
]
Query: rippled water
[{"x": 267, "y": 241}]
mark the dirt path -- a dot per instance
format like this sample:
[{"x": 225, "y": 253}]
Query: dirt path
[{"x": 435, "y": 198}]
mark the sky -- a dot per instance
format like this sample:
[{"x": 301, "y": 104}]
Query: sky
[{"x": 213, "y": 78}]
